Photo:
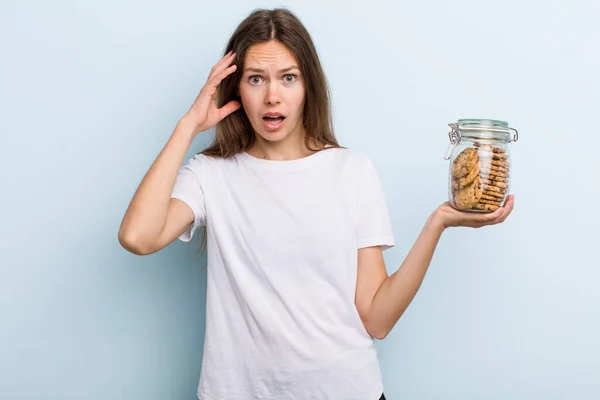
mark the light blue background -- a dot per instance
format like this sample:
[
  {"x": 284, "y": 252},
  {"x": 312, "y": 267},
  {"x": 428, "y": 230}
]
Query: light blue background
[{"x": 91, "y": 91}]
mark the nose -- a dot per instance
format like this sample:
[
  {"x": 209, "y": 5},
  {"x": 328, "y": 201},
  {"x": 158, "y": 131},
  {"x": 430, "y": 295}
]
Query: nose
[{"x": 272, "y": 95}]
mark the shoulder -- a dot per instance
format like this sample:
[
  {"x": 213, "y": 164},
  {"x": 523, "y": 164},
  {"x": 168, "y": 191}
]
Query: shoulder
[
  {"x": 196, "y": 161},
  {"x": 349, "y": 157},
  {"x": 201, "y": 166},
  {"x": 202, "y": 162}
]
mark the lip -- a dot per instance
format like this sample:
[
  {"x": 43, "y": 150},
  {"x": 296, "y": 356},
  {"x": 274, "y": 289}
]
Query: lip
[
  {"x": 272, "y": 114},
  {"x": 270, "y": 127}
]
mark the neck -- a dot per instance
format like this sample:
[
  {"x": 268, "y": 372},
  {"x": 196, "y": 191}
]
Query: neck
[{"x": 291, "y": 148}]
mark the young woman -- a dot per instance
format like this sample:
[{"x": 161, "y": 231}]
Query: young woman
[{"x": 295, "y": 227}]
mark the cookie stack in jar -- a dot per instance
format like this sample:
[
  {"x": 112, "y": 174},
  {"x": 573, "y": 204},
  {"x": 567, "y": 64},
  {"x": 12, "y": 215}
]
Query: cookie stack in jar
[{"x": 479, "y": 178}]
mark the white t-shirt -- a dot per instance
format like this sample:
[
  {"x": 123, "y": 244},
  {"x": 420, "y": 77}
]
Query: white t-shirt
[{"x": 283, "y": 239}]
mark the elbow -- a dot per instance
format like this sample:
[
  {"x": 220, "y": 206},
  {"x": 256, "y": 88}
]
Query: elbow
[
  {"x": 375, "y": 327},
  {"x": 378, "y": 333},
  {"x": 133, "y": 244}
]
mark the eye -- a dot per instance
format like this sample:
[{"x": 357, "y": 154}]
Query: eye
[
  {"x": 289, "y": 78},
  {"x": 254, "y": 79}
]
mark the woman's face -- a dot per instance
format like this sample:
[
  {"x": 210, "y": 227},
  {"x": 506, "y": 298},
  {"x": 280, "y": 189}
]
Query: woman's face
[{"x": 272, "y": 91}]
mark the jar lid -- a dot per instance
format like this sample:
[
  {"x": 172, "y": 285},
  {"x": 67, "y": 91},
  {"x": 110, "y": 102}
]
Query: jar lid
[
  {"x": 475, "y": 128},
  {"x": 482, "y": 122}
]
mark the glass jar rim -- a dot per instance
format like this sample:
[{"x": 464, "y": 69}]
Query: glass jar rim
[
  {"x": 476, "y": 121},
  {"x": 479, "y": 129},
  {"x": 491, "y": 129}
]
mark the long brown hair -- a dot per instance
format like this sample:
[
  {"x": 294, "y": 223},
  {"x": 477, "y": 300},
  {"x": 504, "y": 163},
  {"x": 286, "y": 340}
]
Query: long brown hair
[{"x": 235, "y": 134}]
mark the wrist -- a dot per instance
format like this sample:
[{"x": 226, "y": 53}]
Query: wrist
[
  {"x": 185, "y": 129},
  {"x": 437, "y": 221}
]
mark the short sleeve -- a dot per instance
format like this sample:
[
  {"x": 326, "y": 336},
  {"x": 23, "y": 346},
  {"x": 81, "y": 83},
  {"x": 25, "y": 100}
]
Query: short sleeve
[
  {"x": 189, "y": 189},
  {"x": 374, "y": 226}
]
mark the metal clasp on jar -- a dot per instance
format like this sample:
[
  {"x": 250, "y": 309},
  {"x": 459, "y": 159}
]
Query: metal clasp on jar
[
  {"x": 515, "y": 136},
  {"x": 454, "y": 136}
]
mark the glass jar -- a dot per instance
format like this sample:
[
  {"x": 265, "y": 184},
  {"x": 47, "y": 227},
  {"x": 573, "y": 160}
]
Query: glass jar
[{"x": 480, "y": 164}]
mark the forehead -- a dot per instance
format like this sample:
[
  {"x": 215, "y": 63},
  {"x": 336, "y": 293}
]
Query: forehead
[{"x": 272, "y": 54}]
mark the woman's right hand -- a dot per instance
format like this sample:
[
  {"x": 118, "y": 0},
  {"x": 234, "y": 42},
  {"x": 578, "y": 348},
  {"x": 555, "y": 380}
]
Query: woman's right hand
[{"x": 204, "y": 114}]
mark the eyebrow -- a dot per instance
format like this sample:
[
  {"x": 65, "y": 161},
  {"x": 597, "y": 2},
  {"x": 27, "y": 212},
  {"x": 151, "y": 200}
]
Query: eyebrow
[{"x": 262, "y": 71}]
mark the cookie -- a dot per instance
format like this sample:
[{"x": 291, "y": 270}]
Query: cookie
[
  {"x": 493, "y": 198},
  {"x": 492, "y": 155},
  {"x": 495, "y": 164},
  {"x": 485, "y": 167},
  {"x": 469, "y": 195},
  {"x": 486, "y": 207},
  {"x": 496, "y": 189},
  {"x": 493, "y": 191},
  {"x": 493, "y": 182},
  {"x": 464, "y": 162},
  {"x": 493, "y": 178},
  {"x": 497, "y": 195},
  {"x": 489, "y": 147},
  {"x": 501, "y": 185},
  {"x": 495, "y": 175},
  {"x": 470, "y": 177},
  {"x": 499, "y": 163},
  {"x": 496, "y": 202}
]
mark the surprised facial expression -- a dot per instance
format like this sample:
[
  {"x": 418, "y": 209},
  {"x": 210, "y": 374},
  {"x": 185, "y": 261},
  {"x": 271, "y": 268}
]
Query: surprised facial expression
[{"x": 272, "y": 91}]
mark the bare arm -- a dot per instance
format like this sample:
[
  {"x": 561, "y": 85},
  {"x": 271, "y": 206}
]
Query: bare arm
[
  {"x": 381, "y": 299},
  {"x": 153, "y": 220},
  {"x": 384, "y": 299}
]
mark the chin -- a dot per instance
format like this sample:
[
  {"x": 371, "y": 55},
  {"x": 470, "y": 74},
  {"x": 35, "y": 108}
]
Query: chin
[{"x": 273, "y": 136}]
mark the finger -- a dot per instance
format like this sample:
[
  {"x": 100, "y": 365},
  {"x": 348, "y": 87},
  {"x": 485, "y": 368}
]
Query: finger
[
  {"x": 221, "y": 61},
  {"x": 210, "y": 89},
  {"x": 221, "y": 65},
  {"x": 228, "y": 109},
  {"x": 219, "y": 77},
  {"x": 488, "y": 218},
  {"x": 216, "y": 81},
  {"x": 504, "y": 212},
  {"x": 507, "y": 208},
  {"x": 510, "y": 203}
]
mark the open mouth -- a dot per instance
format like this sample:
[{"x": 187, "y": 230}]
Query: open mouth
[{"x": 273, "y": 120}]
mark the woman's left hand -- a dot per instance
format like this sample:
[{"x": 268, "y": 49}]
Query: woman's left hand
[{"x": 449, "y": 216}]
